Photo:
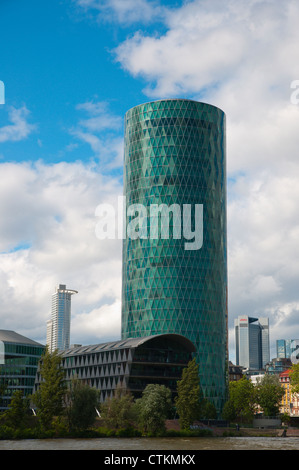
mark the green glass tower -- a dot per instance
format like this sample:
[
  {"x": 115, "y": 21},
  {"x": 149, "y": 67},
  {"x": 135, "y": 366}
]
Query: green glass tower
[{"x": 175, "y": 158}]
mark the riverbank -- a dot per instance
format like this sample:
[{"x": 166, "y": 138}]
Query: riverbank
[
  {"x": 242, "y": 432},
  {"x": 199, "y": 430},
  {"x": 253, "y": 432}
]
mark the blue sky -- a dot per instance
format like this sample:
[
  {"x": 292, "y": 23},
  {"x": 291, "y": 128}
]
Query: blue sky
[
  {"x": 71, "y": 70},
  {"x": 52, "y": 59},
  {"x": 54, "y": 56}
]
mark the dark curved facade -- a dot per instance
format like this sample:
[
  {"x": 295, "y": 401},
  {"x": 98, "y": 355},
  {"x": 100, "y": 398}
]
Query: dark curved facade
[
  {"x": 175, "y": 154},
  {"x": 131, "y": 364}
]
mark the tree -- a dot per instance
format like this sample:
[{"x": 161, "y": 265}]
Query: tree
[
  {"x": 3, "y": 388},
  {"x": 154, "y": 408},
  {"x": 52, "y": 389},
  {"x": 294, "y": 378},
  {"x": 118, "y": 412},
  {"x": 229, "y": 412},
  {"x": 17, "y": 411},
  {"x": 241, "y": 403},
  {"x": 189, "y": 396},
  {"x": 208, "y": 410},
  {"x": 82, "y": 401},
  {"x": 269, "y": 393}
]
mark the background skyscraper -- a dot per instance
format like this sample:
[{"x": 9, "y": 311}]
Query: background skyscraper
[
  {"x": 287, "y": 348},
  {"x": 175, "y": 154},
  {"x": 58, "y": 328},
  {"x": 252, "y": 342}
]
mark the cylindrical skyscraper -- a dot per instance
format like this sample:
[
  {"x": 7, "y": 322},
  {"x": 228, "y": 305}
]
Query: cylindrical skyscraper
[
  {"x": 58, "y": 328},
  {"x": 175, "y": 279}
]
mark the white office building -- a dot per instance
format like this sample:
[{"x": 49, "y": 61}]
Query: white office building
[
  {"x": 58, "y": 328},
  {"x": 252, "y": 342}
]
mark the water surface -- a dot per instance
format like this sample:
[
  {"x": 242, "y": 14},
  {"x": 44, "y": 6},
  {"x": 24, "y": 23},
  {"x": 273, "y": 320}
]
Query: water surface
[{"x": 152, "y": 444}]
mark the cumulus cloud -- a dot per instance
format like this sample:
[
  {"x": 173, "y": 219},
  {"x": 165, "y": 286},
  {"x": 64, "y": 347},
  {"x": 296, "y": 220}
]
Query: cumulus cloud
[
  {"x": 48, "y": 237},
  {"x": 210, "y": 42},
  {"x": 99, "y": 320},
  {"x": 102, "y": 131},
  {"x": 263, "y": 221},
  {"x": 19, "y": 128}
]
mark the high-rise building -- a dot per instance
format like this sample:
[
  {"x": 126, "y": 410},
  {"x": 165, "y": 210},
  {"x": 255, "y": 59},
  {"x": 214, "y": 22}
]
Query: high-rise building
[
  {"x": 58, "y": 328},
  {"x": 175, "y": 276},
  {"x": 287, "y": 348},
  {"x": 265, "y": 340},
  {"x": 281, "y": 348},
  {"x": 252, "y": 342}
]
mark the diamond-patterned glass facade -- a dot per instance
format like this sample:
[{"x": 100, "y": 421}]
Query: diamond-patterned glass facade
[{"x": 175, "y": 154}]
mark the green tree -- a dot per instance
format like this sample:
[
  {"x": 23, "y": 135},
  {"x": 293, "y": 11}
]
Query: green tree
[
  {"x": 269, "y": 393},
  {"x": 49, "y": 397},
  {"x": 294, "y": 378},
  {"x": 18, "y": 410},
  {"x": 154, "y": 408},
  {"x": 229, "y": 411},
  {"x": 188, "y": 398},
  {"x": 208, "y": 410},
  {"x": 241, "y": 403},
  {"x": 119, "y": 411},
  {"x": 3, "y": 388},
  {"x": 82, "y": 401}
]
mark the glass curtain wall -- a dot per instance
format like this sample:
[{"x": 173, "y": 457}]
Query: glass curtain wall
[{"x": 175, "y": 155}]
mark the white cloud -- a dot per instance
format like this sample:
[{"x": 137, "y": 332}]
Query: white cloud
[
  {"x": 210, "y": 42},
  {"x": 103, "y": 323},
  {"x": 236, "y": 55},
  {"x": 99, "y": 117},
  {"x": 123, "y": 11},
  {"x": 51, "y": 210},
  {"x": 263, "y": 221},
  {"x": 101, "y": 130},
  {"x": 20, "y": 128}
]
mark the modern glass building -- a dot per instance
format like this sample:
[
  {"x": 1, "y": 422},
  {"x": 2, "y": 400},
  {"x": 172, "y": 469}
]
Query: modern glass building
[
  {"x": 131, "y": 364},
  {"x": 287, "y": 348},
  {"x": 58, "y": 328},
  {"x": 19, "y": 357},
  {"x": 252, "y": 342},
  {"x": 281, "y": 348},
  {"x": 174, "y": 248}
]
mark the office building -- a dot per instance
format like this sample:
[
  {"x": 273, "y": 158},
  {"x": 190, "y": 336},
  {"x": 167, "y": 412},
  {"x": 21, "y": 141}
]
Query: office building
[
  {"x": 281, "y": 348},
  {"x": 131, "y": 364},
  {"x": 252, "y": 342},
  {"x": 278, "y": 365},
  {"x": 175, "y": 277},
  {"x": 19, "y": 357},
  {"x": 287, "y": 348},
  {"x": 58, "y": 328}
]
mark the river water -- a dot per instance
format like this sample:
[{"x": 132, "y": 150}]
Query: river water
[{"x": 155, "y": 444}]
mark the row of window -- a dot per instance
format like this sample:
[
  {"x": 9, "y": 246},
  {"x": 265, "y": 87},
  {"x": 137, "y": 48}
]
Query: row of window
[{"x": 23, "y": 349}]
